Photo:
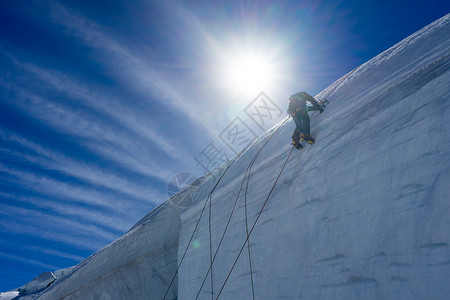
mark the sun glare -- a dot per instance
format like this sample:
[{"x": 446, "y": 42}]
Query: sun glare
[{"x": 248, "y": 74}]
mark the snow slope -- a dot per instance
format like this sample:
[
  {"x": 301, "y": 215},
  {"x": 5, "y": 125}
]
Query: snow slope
[{"x": 362, "y": 214}]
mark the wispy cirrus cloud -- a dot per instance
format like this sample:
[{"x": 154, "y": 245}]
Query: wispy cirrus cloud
[
  {"x": 105, "y": 104},
  {"x": 85, "y": 159},
  {"x": 84, "y": 171},
  {"x": 126, "y": 65},
  {"x": 54, "y": 252},
  {"x": 85, "y": 162},
  {"x": 108, "y": 134},
  {"x": 114, "y": 221},
  {"x": 28, "y": 261},
  {"x": 78, "y": 193},
  {"x": 54, "y": 228}
]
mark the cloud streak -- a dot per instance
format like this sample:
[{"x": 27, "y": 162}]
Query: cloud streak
[
  {"x": 89, "y": 126},
  {"x": 128, "y": 67},
  {"x": 27, "y": 261},
  {"x": 54, "y": 228},
  {"x": 85, "y": 172},
  {"x": 82, "y": 160}
]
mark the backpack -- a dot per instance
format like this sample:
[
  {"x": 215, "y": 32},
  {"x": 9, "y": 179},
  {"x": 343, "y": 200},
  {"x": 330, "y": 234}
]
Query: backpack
[{"x": 298, "y": 100}]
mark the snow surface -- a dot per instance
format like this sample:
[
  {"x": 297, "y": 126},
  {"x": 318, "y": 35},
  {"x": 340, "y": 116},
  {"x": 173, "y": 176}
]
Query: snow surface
[
  {"x": 38, "y": 283},
  {"x": 362, "y": 214}
]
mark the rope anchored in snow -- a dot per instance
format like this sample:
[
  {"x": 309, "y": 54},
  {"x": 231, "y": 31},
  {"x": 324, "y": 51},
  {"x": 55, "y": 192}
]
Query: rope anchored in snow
[
  {"x": 212, "y": 258},
  {"x": 248, "y": 244},
  {"x": 198, "y": 221},
  {"x": 254, "y": 224},
  {"x": 201, "y": 214},
  {"x": 247, "y": 171}
]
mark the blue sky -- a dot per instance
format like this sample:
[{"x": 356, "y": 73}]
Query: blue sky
[{"x": 103, "y": 102}]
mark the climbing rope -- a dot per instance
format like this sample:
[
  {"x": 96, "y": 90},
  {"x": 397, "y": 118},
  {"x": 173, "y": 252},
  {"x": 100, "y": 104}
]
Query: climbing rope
[
  {"x": 212, "y": 258},
  {"x": 247, "y": 176},
  {"x": 247, "y": 171},
  {"x": 198, "y": 221},
  {"x": 254, "y": 224},
  {"x": 210, "y": 250},
  {"x": 248, "y": 244}
]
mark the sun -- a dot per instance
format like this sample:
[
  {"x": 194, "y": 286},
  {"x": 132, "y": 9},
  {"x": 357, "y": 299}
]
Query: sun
[{"x": 249, "y": 73}]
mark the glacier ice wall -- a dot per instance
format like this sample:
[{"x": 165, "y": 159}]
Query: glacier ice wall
[{"x": 362, "y": 214}]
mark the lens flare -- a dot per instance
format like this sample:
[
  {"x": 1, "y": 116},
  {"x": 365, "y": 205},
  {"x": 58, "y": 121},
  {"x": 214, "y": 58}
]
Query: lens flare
[{"x": 196, "y": 244}]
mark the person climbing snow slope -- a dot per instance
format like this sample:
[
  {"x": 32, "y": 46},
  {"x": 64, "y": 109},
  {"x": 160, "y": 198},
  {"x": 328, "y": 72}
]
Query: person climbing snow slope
[{"x": 298, "y": 109}]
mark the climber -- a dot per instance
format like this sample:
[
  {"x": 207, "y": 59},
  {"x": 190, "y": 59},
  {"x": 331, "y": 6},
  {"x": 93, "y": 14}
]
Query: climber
[{"x": 299, "y": 111}]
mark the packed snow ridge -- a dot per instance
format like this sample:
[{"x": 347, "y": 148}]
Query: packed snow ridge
[{"x": 362, "y": 214}]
